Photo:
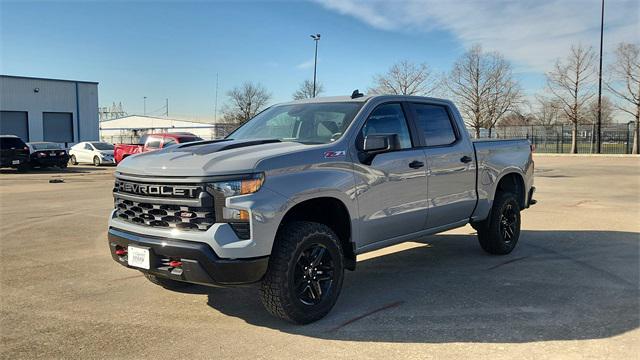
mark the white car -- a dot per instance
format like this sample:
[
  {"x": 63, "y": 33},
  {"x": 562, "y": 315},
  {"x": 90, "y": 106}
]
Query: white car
[{"x": 94, "y": 152}]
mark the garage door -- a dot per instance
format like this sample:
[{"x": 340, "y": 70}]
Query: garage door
[
  {"x": 57, "y": 127},
  {"x": 14, "y": 123}
]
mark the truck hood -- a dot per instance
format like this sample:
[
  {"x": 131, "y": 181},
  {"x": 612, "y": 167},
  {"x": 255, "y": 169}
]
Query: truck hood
[{"x": 215, "y": 157}]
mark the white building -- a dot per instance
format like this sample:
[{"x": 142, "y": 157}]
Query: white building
[
  {"x": 38, "y": 109},
  {"x": 130, "y": 128}
]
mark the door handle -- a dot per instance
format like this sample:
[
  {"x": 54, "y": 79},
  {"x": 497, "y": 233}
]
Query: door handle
[
  {"x": 415, "y": 164},
  {"x": 466, "y": 159}
]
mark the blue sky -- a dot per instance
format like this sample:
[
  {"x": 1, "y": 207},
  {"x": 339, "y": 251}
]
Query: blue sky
[{"x": 174, "y": 49}]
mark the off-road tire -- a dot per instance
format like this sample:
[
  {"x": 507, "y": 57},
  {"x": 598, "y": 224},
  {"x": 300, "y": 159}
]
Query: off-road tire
[
  {"x": 491, "y": 235},
  {"x": 73, "y": 160},
  {"x": 278, "y": 292},
  {"x": 168, "y": 284}
]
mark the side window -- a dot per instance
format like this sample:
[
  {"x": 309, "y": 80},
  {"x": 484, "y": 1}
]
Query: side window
[
  {"x": 153, "y": 143},
  {"x": 389, "y": 119},
  {"x": 168, "y": 142},
  {"x": 87, "y": 146},
  {"x": 435, "y": 124},
  {"x": 143, "y": 139}
]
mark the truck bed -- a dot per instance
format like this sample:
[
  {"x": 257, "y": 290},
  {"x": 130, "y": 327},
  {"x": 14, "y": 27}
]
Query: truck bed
[{"x": 496, "y": 157}]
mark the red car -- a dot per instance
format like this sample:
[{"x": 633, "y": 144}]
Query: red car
[{"x": 152, "y": 142}]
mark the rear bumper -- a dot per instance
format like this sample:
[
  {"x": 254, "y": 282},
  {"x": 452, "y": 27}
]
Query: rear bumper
[
  {"x": 200, "y": 264},
  {"x": 49, "y": 161}
]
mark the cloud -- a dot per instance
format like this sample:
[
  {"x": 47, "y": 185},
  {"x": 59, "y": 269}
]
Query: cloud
[
  {"x": 306, "y": 65},
  {"x": 530, "y": 33}
]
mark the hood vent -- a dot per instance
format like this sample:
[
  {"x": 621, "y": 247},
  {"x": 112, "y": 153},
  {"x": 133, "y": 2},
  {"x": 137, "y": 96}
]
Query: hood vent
[{"x": 212, "y": 146}]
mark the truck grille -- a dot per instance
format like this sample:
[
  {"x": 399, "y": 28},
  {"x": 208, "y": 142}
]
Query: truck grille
[{"x": 165, "y": 216}]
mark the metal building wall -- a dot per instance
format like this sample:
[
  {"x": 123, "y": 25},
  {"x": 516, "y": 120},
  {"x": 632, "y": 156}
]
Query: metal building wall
[{"x": 37, "y": 96}]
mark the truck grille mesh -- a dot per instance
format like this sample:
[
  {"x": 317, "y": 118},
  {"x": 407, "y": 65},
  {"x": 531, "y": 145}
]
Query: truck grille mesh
[{"x": 165, "y": 216}]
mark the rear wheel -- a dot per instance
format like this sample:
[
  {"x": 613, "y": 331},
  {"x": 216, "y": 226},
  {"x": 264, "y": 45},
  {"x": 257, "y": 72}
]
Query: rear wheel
[
  {"x": 305, "y": 273},
  {"x": 500, "y": 233},
  {"x": 167, "y": 283},
  {"x": 73, "y": 160},
  {"x": 96, "y": 161}
]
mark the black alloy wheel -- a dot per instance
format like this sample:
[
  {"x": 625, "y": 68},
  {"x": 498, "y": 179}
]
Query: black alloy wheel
[{"x": 313, "y": 275}]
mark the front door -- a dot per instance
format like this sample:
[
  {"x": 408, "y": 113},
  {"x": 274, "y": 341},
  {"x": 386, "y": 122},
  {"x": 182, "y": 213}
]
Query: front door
[{"x": 392, "y": 189}]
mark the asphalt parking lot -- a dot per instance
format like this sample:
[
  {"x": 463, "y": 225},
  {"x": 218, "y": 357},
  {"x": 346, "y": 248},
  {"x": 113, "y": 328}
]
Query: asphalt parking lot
[{"x": 569, "y": 290}]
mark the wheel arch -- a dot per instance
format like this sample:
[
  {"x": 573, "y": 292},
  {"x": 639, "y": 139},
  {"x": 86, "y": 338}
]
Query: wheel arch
[
  {"x": 331, "y": 212},
  {"x": 513, "y": 182}
]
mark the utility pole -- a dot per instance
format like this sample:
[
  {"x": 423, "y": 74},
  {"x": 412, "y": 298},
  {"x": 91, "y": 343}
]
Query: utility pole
[
  {"x": 315, "y": 38},
  {"x": 599, "y": 139},
  {"x": 215, "y": 105},
  {"x": 145, "y": 106}
]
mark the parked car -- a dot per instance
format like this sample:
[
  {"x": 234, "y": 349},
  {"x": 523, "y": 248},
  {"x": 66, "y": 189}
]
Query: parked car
[
  {"x": 152, "y": 142},
  {"x": 46, "y": 154},
  {"x": 94, "y": 152},
  {"x": 14, "y": 152},
  {"x": 291, "y": 197}
]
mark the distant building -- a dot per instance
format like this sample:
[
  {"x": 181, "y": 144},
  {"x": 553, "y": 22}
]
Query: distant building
[
  {"x": 130, "y": 128},
  {"x": 39, "y": 109}
]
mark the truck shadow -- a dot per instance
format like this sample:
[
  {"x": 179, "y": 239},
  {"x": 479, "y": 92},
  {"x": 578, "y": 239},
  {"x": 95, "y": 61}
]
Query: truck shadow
[{"x": 556, "y": 285}]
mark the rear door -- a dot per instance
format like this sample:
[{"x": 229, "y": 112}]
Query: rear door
[
  {"x": 392, "y": 200},
  {"x": 450, "y": 167}
]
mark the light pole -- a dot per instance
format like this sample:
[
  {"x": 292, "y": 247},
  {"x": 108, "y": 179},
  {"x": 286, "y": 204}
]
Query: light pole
[
  {"x": 144, "y": 104},
  {"x": 599, "y": 141},
  {"x": 315, "y": 38}
]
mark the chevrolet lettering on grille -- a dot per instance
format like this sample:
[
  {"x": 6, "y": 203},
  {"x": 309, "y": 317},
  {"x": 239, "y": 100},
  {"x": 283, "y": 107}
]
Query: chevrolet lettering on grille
[{"x": 157, "y": 190}]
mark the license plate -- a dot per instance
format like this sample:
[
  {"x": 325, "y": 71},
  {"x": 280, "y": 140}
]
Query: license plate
[
  {"x": 138, "y": 257},
  {"x": 52, "y": 154},
  {"x": 15, "y": 162}
]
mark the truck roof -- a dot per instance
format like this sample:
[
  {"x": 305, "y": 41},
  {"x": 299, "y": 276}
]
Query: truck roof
[{"x": 364, "y": 98}]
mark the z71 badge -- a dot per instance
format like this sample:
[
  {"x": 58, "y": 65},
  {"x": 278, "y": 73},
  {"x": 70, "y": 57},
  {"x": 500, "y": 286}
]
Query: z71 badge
[{"x": 334, "y": 154}]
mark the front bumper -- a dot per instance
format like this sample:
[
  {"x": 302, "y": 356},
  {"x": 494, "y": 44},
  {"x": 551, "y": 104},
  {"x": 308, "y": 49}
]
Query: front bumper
[{"x": 200, "y": 264}]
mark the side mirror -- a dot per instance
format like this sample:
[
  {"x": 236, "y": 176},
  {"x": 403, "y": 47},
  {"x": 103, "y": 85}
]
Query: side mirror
[{"x": 373, "y": 145}]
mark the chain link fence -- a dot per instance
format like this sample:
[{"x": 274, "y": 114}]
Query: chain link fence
[{"x": 616, "y": 139}]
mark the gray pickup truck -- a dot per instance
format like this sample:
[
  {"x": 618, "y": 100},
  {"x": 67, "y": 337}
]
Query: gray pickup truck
[{"x": 290, "y": 198}]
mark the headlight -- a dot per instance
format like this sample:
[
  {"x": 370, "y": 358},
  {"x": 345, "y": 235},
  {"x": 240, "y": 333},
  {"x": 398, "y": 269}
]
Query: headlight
[
  {"x": 238, "y": 187},
  {"x": 237, "y": 218}
]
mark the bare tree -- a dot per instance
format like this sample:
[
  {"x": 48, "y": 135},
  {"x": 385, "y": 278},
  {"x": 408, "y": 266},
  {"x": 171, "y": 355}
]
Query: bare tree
[
  {"x": 607, "y": 107},
  {"x": 571, "y": 83},
  {"x": 305, "y": 91},
  {"x": 483, "y": 86},
  {"x": 548, "y": 111},
  {"x": 245, "y": 102},
  {"x": 625, "y": 84},
  {"x": 405, "y": 78}
]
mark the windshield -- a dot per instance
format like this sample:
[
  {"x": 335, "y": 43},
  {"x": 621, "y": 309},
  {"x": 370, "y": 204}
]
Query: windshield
[
  {"x": 46, "y": 146},
  {"x": 102, "y": 146},
  {"x": 318, "y": 123}
]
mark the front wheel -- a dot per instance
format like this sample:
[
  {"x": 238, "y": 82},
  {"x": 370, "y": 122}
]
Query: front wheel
[
  {"x": 73, "y": 160},
  {"x": 96, "y": 161},
  {"x": 305, "y": 273},
  {"x": 499, "y": 235}
]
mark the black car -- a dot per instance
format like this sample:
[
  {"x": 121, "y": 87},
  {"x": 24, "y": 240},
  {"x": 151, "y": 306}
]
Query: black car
[
  {"x": 46, "y": 154},
  {"x": 13, "y": 152}
]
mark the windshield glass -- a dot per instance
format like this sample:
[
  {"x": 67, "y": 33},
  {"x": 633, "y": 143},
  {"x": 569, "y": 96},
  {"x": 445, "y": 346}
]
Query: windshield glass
[
  {"x": 319, "y": 123},
  {"x": 102, "y": 146},
  {"x": 46, "y": 146}
]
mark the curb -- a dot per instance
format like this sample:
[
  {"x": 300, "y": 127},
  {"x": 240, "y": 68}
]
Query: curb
[{"x": 587, "y": 155}]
